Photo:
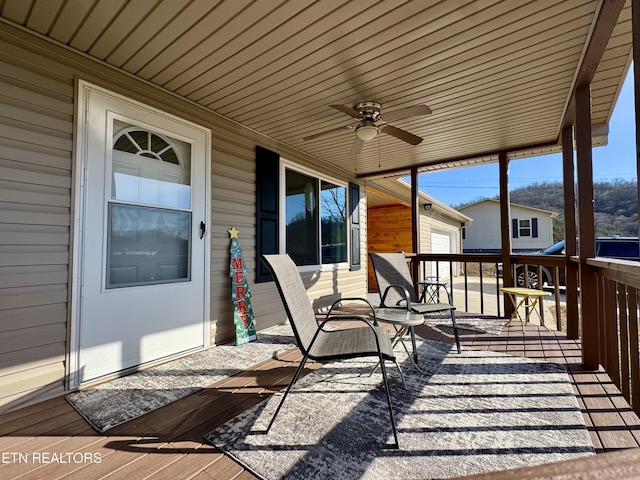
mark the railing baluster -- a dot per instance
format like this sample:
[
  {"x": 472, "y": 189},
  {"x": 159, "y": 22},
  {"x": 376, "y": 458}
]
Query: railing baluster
[
  {"x": 497, "y": 291},
  {"x": 601, "y": 321},
  {"x": 466, "y": 288},
  {"x": 540, "y": 285},
  {"x": 450, "y": 299},
  {"x": 556, "y": 294},
  {"x": 625, "y": 376},
  {"x": 634, "y": 349},
  {"x": 613, "y": 335},
  {"x": 481, "y": 290}
]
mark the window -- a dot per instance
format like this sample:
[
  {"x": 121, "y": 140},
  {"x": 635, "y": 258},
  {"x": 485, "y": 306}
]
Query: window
[
  {"x": 315, "y": 219},
  {"x": 525, "y": 228},
  {"x": 149, "y": 210}
]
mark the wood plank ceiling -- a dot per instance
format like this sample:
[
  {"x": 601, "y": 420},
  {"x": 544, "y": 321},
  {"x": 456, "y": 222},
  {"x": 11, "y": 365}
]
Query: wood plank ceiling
[{"x": 497, "y": 74}]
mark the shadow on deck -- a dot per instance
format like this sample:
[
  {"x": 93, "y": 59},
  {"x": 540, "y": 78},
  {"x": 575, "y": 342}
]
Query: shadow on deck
[{"x": 168, "y": 442}]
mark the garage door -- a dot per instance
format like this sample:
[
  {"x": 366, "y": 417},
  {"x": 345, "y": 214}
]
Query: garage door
[{"x": 440, "y": 243}]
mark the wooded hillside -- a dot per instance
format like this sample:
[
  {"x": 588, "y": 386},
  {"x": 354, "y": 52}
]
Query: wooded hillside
[{"x": 616, "y": 205}]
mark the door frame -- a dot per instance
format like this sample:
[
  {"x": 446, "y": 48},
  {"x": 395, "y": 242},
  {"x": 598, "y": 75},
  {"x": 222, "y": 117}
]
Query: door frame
[{"x": 83, "y": 89}]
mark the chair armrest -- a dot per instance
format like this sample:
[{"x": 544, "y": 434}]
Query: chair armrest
[{"x": 402, "y": 290}]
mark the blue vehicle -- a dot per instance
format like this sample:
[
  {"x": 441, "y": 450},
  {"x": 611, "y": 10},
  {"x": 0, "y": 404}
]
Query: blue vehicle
[{"x": 625, "y": 248}]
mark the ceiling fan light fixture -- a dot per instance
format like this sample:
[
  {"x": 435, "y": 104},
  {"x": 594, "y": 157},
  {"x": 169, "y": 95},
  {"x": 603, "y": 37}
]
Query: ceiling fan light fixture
[{"x": 367, "y": 131}]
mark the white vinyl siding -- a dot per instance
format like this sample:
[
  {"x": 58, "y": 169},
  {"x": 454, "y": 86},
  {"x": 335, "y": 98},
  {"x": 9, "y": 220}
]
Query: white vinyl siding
[{"x": 36, "y": 125}]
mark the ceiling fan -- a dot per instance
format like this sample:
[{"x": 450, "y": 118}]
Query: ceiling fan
[{"x": 372, "y": 121}]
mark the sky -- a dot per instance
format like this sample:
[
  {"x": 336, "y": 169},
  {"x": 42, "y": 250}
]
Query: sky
[{"x": 613, "y": 161}]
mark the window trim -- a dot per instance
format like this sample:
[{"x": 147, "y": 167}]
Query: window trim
[
  {"x": 282, "y": 227},
  {"x": 525, "y": 228}
]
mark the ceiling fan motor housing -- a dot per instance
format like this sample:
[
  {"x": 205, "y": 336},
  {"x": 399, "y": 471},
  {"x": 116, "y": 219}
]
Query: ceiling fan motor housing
[{"x": 369, "y": 110}]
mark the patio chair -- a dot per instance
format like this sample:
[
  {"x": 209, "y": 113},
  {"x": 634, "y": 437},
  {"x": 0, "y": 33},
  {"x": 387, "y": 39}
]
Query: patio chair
[
  {"x": 318, "y": 343},
  {"x": 396, "y": 289}
]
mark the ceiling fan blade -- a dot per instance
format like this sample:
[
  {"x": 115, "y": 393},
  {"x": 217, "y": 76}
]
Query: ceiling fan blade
[
  {"x": 348, "y": 110},
  {"x": 413, "y": 111},
  {"x": 401, "y": 134},
  {"x": 356, "y": 148},
  {"x": 326, "y": 132}
]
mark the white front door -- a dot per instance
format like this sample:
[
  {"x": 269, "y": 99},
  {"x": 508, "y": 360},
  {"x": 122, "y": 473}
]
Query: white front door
[{"x": 142, "y": 244}]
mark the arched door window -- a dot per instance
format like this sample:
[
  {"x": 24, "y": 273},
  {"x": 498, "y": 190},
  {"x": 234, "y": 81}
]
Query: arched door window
[
  {"x": 150, "y": 168},
  {"x": 149, "y": 208}
]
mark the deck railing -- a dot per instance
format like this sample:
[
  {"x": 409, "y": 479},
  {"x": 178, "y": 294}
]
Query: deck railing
[
  {"x": 475, "y": 281},
  {"x": 457, "y": 271},
  {"x": 618, "y": 282},
  {"x": 618, "y": 313}
]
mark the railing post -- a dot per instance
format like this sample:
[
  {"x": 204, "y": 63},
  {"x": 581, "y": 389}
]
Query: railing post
[{"x": 570, "y": 233}]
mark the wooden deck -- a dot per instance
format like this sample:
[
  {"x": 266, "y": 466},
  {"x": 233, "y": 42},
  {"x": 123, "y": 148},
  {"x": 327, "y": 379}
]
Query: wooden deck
[{"x": 168, "y": 443}]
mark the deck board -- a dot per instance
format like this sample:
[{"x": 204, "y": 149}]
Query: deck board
[{"x": 168, "y": 443}]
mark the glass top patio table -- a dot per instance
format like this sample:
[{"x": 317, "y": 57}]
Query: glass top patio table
[{"x": 403, "y": 321}]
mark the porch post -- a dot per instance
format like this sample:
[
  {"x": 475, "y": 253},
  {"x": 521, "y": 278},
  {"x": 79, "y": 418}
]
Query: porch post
[
  {"x": 415, "y": 211},
  {"x": 570, "y": 233},
  {"x": 635, "y": 26},
  {"x": 586, "y": 230},
  {"x": 505, "y": 228},
  {"x": 415, "y": 224}
]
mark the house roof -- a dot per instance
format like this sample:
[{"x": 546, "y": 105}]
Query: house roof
[
  {"x": 396, "y": 190},
  {"x": 499, "y": 75},
  {"x": 497, "y": 202}
]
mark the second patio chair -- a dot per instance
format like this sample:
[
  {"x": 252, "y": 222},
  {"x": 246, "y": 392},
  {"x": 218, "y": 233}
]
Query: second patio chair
[
  {"x": 319, "y": 343},
  {"x": 396, "y": 289}
]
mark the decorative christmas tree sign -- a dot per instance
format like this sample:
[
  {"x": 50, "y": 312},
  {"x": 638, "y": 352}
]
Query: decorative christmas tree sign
[{"x": 242, "y": 311}]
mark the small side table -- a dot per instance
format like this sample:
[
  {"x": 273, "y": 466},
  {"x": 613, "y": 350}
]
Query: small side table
[
  {"x": 431, "y": 291},
  {"x": 403, "y": 321},
  {"x": 530, "y": 298}
]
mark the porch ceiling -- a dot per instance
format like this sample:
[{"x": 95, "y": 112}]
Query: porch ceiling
[{"x": 498, "y": 74}]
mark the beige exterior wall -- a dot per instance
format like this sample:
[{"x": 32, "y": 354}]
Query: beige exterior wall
[{"x": 37, "y": 209}]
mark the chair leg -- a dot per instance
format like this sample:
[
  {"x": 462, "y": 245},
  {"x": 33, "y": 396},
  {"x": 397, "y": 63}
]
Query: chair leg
[
  {"x": 293, "y": 380},
  {"x": 388, "y": 393},
  {"x": 455, "y": 329}
]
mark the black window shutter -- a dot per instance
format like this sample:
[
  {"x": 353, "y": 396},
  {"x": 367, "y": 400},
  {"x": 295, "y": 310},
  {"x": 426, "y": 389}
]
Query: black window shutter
[
  {"x": 354, "y": 213},
  {"x": 514, "y": 228},
  {"x": 534, "y": 227},
  {"x": 267, "y": 214}
]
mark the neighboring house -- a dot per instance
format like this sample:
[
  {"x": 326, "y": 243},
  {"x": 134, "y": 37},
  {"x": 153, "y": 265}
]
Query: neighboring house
[
  {"x": 389, "y": 225},
  {"x": 531, "y": 228}
]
